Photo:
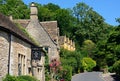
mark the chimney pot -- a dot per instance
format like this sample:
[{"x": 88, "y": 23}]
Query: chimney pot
[{"x": 34, "y": 11}]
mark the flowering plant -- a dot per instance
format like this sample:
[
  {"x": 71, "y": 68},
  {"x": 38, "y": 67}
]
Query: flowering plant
[{"x": 54, "y": 65}]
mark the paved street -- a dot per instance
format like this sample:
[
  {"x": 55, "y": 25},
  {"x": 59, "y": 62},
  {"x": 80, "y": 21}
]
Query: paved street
[
  {"x": 88, "y": 76},
  {"x": 111, "y": 77}
]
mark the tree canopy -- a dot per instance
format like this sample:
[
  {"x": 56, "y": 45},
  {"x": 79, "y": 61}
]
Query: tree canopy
[{"x": 16, "y": 8}]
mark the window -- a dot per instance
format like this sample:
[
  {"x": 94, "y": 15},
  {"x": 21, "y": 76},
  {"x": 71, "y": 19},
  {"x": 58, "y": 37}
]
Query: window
[
  {"x": 29, "y": 71},
  {"x": 21, "y": 64}
]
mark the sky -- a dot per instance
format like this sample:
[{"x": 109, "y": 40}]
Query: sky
[{"x": 108, "y": 9}]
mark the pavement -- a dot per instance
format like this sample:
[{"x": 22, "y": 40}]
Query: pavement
[
  {"x": 95, "y": 76},
  {"x": 88, "y": 76},
  {"x": 110, "y": 77}
]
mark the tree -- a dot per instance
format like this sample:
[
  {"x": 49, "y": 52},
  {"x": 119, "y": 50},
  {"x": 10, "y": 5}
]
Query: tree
[
  {"x": 90, "y": 25},
  {"x": 107, "y": 50},
  {"x": 71, "y": 59},
  {"x": 52, "y": 7},
  {"x": 88, "y": 46},
  {"x": 64, "y": 19},
  {"x": 80, "y": 11},
  {"x": 113, "y": 45},
  {"x": 118, "y": 20},
  {"x": 16, "y": 8},
  {"x": 44, "y": 14}
]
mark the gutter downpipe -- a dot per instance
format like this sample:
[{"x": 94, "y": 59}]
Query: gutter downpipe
[{"x": 9, "y": 36}]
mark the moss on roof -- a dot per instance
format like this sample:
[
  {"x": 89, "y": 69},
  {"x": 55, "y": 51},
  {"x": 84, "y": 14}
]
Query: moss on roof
[
  {"x": 16, "y": 29},
  {"x": 26, "y": 33}
]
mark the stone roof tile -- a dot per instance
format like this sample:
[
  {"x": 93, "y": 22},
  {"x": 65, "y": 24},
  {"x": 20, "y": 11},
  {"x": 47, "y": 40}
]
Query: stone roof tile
[
  {"x": 52, "y": 28},
  {"x": 23, "y": 22},
  {"x": 7, "y": 25}
]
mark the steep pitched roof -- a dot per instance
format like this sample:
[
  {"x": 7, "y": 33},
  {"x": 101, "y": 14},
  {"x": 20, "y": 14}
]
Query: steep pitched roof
[
  {"x": 7, "y": 25},
  {"x": 22, "y": 22},
  {"x": 39, "y": 33},
  {"x": 51, "y": 28}
]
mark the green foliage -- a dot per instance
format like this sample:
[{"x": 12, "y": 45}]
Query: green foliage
[
  {"x": 116, "y": 67},
  {"x": 110, "y": 69},
  {"x": 107, "y": 50},
  {"x": 113, "y": 46},
  {"x": 88, "y": 64},
  {"x": 88, "y": 46},
  {"x": 71, "y": 59},
  {"x": 44, "y": 14},
  {"x": 16, "y": 8},
  {"x": 47, "y": 69},
  {"x": 67, "y": 73},
  {"x": 19, "y": 78},
  {"x": 100, "y": 54},
  {"x": 52, "y": 7},
  {"x": 10, "y": 78},
  {"x": 47, "y": 76},
  {"x": 64, "y": 19},
  {"x": 118, "y": 20},
  {"x": 80, "y": 11},
  {"x": 90, "y": 25},
  {"x": 27, "y": 78}
]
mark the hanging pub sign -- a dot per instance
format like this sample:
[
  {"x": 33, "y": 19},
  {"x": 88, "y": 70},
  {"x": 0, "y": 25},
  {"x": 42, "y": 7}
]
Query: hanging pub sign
[{"x": 36, "y": 53}]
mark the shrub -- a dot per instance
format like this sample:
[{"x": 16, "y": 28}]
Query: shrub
[
  {"x": 27, "y": 78},
  {"x": 116, "y": 67},
  {"x": 19, "y": 78},
  {"x": 88, "y": 63},
  {"x": 10, "y": 78},
  {"x": 67, "y": 73},
  {"x": 110, "y": 69}
]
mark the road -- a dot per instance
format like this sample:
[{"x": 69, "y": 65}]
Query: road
[
  {"x": 111, "y": 77},
  {"x": 88, "y": 76}
]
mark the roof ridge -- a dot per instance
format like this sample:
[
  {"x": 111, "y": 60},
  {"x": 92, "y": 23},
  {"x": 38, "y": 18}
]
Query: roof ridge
[{"x": 47, "y": 21}]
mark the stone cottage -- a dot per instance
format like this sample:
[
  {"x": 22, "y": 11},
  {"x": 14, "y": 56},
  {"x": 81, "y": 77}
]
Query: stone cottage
[
  {"x": 19, "y": 52},
  {"x": 41, "y": 32},
  {"x": 15, "y": 52}
]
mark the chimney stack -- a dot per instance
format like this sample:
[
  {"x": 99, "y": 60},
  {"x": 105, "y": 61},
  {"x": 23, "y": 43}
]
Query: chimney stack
[{"x": 34, "y": 11}]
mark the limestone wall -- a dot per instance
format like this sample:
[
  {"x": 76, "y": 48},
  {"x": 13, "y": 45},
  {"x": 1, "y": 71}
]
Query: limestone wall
[
  {"x": 19, "y": 51},
  {"x": 4, "y": 51}
]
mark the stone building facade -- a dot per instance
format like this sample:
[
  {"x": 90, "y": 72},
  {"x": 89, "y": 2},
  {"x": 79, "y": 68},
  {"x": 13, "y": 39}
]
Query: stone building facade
[
  {"x": 4, "y": 51},
  {"x": 45, "y": 38},
  {"x": 15, "y": 52},
  {"x": 66, "y": 43},
  {"x": 40, "y": 32},
  {"x": 16, "y": 47}
]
